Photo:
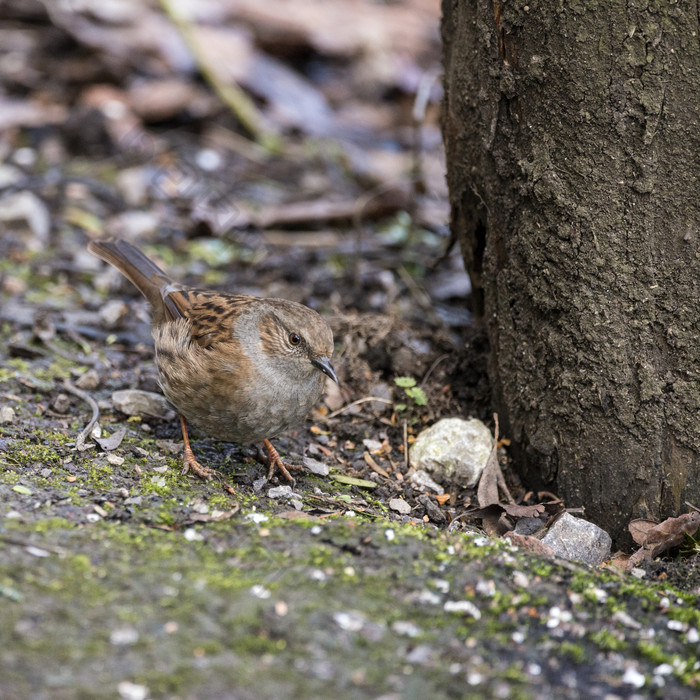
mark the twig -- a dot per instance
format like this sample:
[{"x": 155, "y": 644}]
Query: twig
[
  {"x": 405, "y": 446},
  {"x": 80, "y": 440},
  {"x": 431, "y": 368},
  {"x": 357, "y": 403},
  {"x": 229, "y": 93},
  {"x": 26, "y": 543}
]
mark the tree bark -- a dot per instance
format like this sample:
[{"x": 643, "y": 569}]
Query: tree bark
[{"x": 572, "y": 133}]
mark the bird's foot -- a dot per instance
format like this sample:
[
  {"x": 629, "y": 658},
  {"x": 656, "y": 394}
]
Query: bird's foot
[
  {"x": 274, "y": 461},
  {"x": 190, "y": 464}
]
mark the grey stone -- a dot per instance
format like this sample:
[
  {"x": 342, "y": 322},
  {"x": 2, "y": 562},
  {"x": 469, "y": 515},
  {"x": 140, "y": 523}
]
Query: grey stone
[
  {"x": 528, "y": 526},
  {"x": 578, "y": 540},
  {"x": 7, "y": 414},
  {"x": 316, "y": 467},
  {"x": 453, "y": 451},
  {"x": 88, "y": 381},
  {"x": 134, "y": 402},
  {"x": 422, "y": 481},
  {"x": 400, "y": 506},
  {"x": 283, "y": 491}
]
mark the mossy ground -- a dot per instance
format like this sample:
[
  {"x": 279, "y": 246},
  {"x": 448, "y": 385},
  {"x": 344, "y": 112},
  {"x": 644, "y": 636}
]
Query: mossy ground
[
  {"x": 258, "y": 606},
  {"x": 128, "y": 572}
]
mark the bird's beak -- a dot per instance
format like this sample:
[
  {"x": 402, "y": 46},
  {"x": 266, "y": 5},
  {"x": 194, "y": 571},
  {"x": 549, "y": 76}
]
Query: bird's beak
[{"x": 324, "y": 364}]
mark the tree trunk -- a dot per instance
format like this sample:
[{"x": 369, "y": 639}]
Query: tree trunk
[{"x": 572, "y": 133}]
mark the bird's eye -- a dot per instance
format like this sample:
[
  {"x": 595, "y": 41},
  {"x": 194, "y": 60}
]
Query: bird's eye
[{"x": 294, "y": 338}]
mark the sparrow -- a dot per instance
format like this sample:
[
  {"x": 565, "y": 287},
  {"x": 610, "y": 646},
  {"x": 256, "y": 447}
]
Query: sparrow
[{"x": 240, "y": 368}]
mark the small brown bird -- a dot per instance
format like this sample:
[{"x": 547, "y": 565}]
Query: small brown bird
[{"x": 240, "y": 368}]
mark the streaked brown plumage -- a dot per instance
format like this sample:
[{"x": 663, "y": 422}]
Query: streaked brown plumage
[{"x": 240, "y": 368}]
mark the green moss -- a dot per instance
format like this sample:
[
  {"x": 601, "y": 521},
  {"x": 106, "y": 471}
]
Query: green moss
[
  {"x": 573, "y": 651},
  {"x": 607, "y": 641}
]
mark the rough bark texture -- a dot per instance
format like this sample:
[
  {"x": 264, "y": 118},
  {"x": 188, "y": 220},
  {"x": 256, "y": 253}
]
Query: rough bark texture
[{"x": 573, "y": 139}]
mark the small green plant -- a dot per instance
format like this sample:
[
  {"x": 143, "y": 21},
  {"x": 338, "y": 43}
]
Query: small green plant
[
  {"x": 415, "y": 396},
  {"x": 690, "y": 544}
]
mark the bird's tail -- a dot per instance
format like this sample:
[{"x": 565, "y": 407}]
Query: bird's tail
[{"x": 142, "y": 272}]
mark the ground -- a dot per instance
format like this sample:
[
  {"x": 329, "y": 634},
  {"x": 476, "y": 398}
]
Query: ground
[{"x": 119, "y": 575}]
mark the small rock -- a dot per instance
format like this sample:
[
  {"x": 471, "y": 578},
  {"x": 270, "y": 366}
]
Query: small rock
[
  {"x": 372, "y": 445},
  {"x": 453, "y": 451},
  {"x": 61, "y": 404},
  {"x": 200, "y": 506},
  {"x": 528, "y": 526},
  {"x": 134, "y": 402},
  {"x": 132, "y": 691},
  {"x": 465, "y": 607},
  {"x": 578, "y": 540},
  {"x": 123, "y": 636},
  {"x": 7, "y": 414},
  {"x": 400, "y": 506},
  {"x": 316, "y": 467},
  {"x": 382, "y": 391},
  {"x": 169, "y": 447},
  {"x": 259, "y": 484},
  {"x": 88, "y": 381},
  {"x": 422, "y": 481},
  {"x": 26, "y": 206},
  {"x": 432, "y": 509},
  {"x": 284, "y": 491},
  {"x": 112, "y": 312},
  {"x": 296, "y": 504},
  {"x": 116, "y": 460},
  {"x": 405, "y": 628}
]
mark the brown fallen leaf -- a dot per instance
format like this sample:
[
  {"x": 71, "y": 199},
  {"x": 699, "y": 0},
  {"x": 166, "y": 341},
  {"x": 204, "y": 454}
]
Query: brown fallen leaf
[
  {"x": 532, "y": 544},
  {"x": 374, "y": 466},
  {"x": 487, "y": 491},
  {"x": 640, "y": 528},
  {"x": 113, "y": 441},
  {"x": 214, "y": 516},
  {"x": 297, "y": 515},
  {"x": 658, "y": 538}
]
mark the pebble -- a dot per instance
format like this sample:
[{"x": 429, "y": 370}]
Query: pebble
[
  {"x": 132, "y": 691},
  {"x": 123, "y": 636},
  {"x": 112, "y": 312},
  {"x": 422, "y": 481},
  {"x": 633, "y": 677},
  {"x": 116, "y": 460},
  {"x": 135, "y": 402},
  {"x": 88, "y": 381},
  {"x": 7, "y": 414},
  {"x": 400, "y": 506},
  {"x": 453, "y": 451},
  {"x": 576, "y": 539},
  {"x": 284, "y": 491},
  {"x": 463, "y": 606},
  {"x": 61, "y": 404},
  {"x": 316, "y": 467}
]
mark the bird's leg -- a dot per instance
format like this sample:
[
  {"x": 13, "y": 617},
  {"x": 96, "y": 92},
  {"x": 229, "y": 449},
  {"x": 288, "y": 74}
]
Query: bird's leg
[
  {"x": 275, "y": 461},
  {"x": 189, "y": 463}
]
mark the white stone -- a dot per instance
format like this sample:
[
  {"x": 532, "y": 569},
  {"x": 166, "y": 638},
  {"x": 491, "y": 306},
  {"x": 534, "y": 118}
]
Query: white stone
[
  {"x": 463, "y": 606},
  {"x": 7, "y": 414},
  {"x": 453, "y": 451},
  {"x": 400, "y": 506},
  {"x": 134, "y": 402},
  {"x": 316, "y": 467},
  {"x": 422, "y": 481}
]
